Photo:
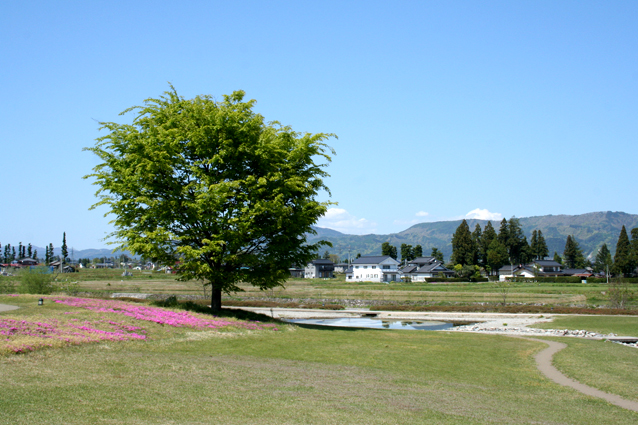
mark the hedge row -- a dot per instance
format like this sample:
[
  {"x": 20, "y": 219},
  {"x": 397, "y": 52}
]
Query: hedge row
[
  {"x": 568, "y": 279},
  {"x": 455, "y": 279}
]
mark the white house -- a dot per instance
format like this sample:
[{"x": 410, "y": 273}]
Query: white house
[
  {"x": 423, "y": 268},
  {"x": 377, "y": 268}
]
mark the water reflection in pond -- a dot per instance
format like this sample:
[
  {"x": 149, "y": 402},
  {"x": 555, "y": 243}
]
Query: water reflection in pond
[{"x": 360, "y": 322}]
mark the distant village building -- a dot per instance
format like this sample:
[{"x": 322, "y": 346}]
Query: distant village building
[{"x": 319, "y": 269}]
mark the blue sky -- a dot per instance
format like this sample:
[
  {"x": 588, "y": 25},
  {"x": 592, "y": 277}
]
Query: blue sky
[{"x": 442, "y": 109}]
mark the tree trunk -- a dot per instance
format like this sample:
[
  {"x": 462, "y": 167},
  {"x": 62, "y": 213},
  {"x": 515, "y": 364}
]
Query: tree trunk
[{"x": 215, "y": 297}]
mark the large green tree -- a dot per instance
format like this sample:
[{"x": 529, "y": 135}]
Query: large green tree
[
  {"x": 387, "y": 249},
  {"x": 463, "y": 248},
  {"x": 603, "y": 260},
  {"x": 438, "y": 255},
  {"x": 477, "y": 236},
  {"x": 497, "y": 255},
  {"x": 213, "y": 185},
  {"x": 573, "y": 255},
  {"x": 623, "y": 264},
  {"x": 407, "y": 252}
]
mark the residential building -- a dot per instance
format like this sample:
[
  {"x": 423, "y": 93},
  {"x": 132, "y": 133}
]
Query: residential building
[
  {"x": 422, "y": 268},
  {"x": 319, "y": 269},
  {"x": 374, "y": 268}
]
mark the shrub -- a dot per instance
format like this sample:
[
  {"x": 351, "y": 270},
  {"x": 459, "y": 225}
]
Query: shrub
[
  {"x": 36, "y": 280},
  {"x": 6, "y": 286}
]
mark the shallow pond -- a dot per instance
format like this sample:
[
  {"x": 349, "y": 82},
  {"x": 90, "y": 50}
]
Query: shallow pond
[{"x": 367, "y": 323}]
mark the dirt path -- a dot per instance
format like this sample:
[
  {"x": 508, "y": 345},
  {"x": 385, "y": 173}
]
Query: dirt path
[
  {"x": 5, "y": 307},
  {"x": 544, "y": 362}
]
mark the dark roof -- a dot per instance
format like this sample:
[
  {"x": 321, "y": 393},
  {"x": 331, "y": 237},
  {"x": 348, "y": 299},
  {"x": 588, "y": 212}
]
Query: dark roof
[
  {"x": 548, "y": 263},
  {"x": 434, "y": 266},
  {"x": 349, "y": 270},
  {"x": 409, "y": 269},
  {"x": 575, "y": 271},
  {"x": 322, "y": 261},
  {"x": 371, "y": 259}
]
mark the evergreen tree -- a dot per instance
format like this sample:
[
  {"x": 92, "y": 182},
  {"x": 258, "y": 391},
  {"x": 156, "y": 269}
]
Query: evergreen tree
[
  {"x": 504, "y": 234},
  {"x": 517, "y": 242},
  {"x": 603, "y": 259},
  {"x": 51, "y": 254},
  {"x": 1, "y": 257},
  {"x": 572, "y": 254},
  {"x": 418, "y": 251},
  {"x": 20, "y": 248},
  {"x": 47, "y": 257},
  {"x": 387, "y": 249},
  {"x": 497, "y": 255},
  {"x": 407, "y": 253},
  {"x": 438, "y": 255},
  {"x": 29, "y": 251},
  {"x": 7, "y": 253},
  {"x": 463, "y": 250},
  {"x": 634, "y": 248},
  {"x": 489, "y": 234},
  {"x": 533, "y": 244},
  {"x": 13, "y": 253},
  {"x": 35, "y": 254},
  {"x": 622, "y": 259},
  {"x": 525, "y": 255},
  {"x": 477, "y": 236},
  {"x": 65, "y": 251},
  {"x": 558, "y": 258},
  {"x": 541, "y": 249}
]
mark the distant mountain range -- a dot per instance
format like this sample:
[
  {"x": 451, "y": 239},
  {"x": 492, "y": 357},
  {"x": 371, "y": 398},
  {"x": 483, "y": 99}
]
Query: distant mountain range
[{"x": 591, "y": 230}]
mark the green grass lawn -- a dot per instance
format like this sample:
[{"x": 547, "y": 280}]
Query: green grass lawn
[
  {"x": 301, "y": 375},
  {"x": 620, "y": 325}
]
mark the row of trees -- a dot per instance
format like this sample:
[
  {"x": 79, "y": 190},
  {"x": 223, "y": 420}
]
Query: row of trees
[
  {"x": 491, "y": 250},
  {"x": 9, "y": 253}
]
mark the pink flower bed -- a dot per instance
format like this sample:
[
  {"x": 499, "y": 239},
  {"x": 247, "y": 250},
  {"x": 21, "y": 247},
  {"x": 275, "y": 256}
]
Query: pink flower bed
[
  {"x": 25, "y": 335},
  {"x": 21, "y": 336},
  {"x": 159, "y": 315}
]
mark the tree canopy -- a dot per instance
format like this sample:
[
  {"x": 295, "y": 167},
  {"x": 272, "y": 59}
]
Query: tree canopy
[
  {"x": 463, "y": 248},
  {"x": 210, "y": 185}
]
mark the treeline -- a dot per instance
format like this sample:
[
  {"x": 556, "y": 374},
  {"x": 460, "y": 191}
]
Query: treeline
[
  {"x": 9, "y": 253},
  {"x": 491, "y": 250}
]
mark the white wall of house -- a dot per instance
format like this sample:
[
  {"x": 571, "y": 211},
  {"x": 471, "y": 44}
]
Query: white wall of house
[
  {"x": 309, "y": 271},
  {"x": 374, "y": 272}
]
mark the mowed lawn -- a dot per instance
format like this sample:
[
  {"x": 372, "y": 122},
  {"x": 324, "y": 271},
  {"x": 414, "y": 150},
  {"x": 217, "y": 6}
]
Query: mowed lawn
[{"x": 294, "y": 375}]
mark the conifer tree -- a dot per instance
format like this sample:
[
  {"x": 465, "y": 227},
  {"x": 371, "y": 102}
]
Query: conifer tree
[
  {"x": 29, "y": 251},
  {"x": 504, "y": 234},
  {"x": 463, "y": 250},
  {"x": 541, "y": 249},
  {"x": 51, "y": 255},
  {"x": 65, "y": 251},
  {"x": 572, "y": 254},
  {"x": 489, "y": 234},
  {"x": 387, "y": 249},
  {"x": 438, "y": 255},
  {"x": 418, "y": 251},
  {"x": 407, "y": 254},
  {"x": 558, "y": 258},
  {"x": 477, "y": 236},
  {"x": 634, "y": 248},
  {"x": 533, "y": 244},
  {"x": 497, "y": 255},
  {"x": 35, "y": 254},
  {"x": 13, "y": 253},
  {"x": 603, "y": 260},
  {"x": 622, "y": 258},
  {"x": 517, "y": 243},
  {"x": 1, "y": 257}
]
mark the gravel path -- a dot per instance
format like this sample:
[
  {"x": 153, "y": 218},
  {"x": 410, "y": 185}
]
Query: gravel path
[
  {"x": 544, "y": 363},
  {"x": 5, "y": 307}
]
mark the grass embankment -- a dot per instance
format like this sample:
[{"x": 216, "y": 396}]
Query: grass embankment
[{"x": 295, "y": 375}]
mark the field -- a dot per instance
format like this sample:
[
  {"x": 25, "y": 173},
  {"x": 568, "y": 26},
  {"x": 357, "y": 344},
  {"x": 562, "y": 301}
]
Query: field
[
  {"x": 299, "y": 375},
  {"x": 107, "y": 281}
]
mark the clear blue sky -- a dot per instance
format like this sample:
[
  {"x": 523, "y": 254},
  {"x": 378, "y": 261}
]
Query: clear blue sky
[{"x": 441, "y": 108}]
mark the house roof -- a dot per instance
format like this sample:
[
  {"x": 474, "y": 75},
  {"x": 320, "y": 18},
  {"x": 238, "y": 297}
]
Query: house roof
[
  {"x": 422, "y": 260},
  {"x": 548, "y": 263},
  {"x": 350, "y": 270},
  {"x": 409, "y": 269},
  {"x": 322, "y": 261},
  {"x": 428, "y": 268},
  {"x": 372, "y": 259}
]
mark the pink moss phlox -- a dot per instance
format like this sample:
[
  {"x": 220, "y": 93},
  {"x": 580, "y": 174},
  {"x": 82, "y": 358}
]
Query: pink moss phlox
[{"x": 157, "y": 315}]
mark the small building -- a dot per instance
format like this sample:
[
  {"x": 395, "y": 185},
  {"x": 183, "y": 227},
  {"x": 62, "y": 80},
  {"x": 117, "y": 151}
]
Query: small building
[
  {"x": 26, "y": 262},
  {"x": 422, "y": 268},
  {"x": 296, "y": 271},
  {"x": 319, "y": 269},
  {"x": 341, "y": 267}
]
